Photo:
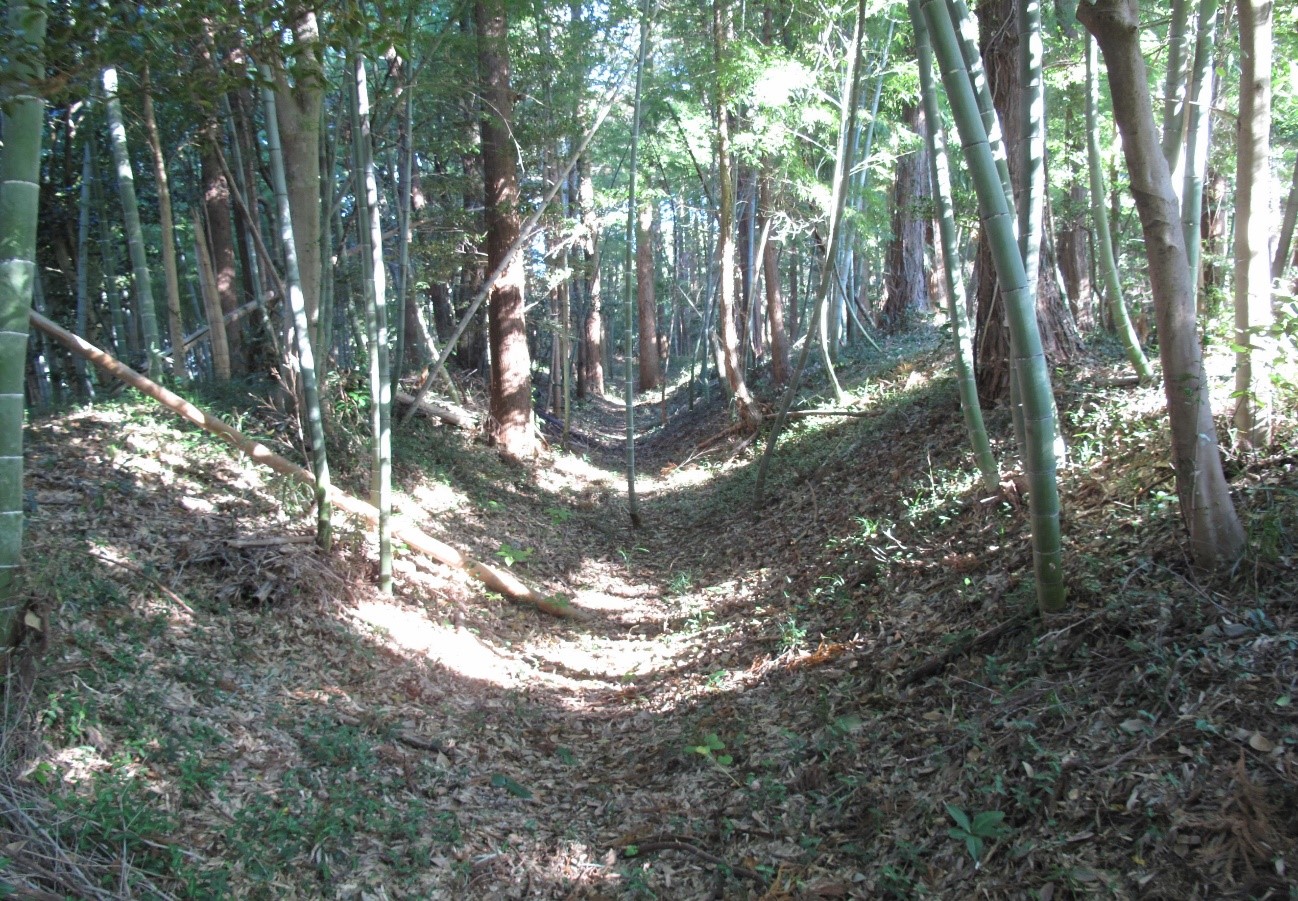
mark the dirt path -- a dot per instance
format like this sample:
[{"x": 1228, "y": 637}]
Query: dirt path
[{"x": 750, "y": 712}]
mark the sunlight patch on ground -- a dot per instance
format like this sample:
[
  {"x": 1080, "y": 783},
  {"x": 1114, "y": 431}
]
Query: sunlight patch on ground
[
  {"x": 609, "y": 660},
  {"x": 690, "y": 476},
  {"x": 570, "y": 472},
  {"x": 600, "y": 602},
  {"x": 436, "y": 497},
  {"x": 461, "y": 652}
]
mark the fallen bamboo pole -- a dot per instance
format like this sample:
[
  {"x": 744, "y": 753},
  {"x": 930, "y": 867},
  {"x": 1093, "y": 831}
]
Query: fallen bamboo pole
[{"x": 503, "y": 582}]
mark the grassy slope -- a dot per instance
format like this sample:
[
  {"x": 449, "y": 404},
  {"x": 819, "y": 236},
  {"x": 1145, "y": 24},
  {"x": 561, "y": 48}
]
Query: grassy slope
[{"x": 802, "y": 701}]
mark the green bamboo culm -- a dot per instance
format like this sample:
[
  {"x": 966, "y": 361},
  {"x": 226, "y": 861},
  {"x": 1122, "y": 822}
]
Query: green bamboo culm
[
  {"x": 1198, "y": 131},
  {"x": 23, "y": 66},
  {"x": 376, "y": 319},
  {"x": 967, "y": 34},
  {"x": 1033, "y": 138},
  {"x": 301, "y": 328},
  {"x": 146, "y": 309},
  {"x": 940, "y": 175},
  {"x": 1100, "y": 217},
  {"x": 1029, "y": 357},
  {"x": 966, "y": 28},
  {"x": 633, "y": 506}
]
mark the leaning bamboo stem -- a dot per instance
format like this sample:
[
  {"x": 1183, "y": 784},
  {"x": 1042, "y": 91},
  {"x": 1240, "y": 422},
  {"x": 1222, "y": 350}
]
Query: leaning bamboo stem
[
  {"x": 503, "y": 582},
  {"x": 940, "y": 174}
]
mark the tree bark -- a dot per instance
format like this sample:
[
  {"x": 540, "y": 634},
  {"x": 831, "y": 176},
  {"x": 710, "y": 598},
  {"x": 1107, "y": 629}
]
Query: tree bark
[
  {"x": 299, "y": 106},
  {"x": 306, "y": 368},
  {"x": 992, "y": 342},
  {"x": 1198, "y": 138},
  {"x": 592, "y": 354},
  {"x": 1253, "y": 227},
  {"x": 20, "y": 186},
  {"x": 175, "y": 322},
  {"x": 771, "y": 280},
  {"x": 220, "y": 243},
  {"x": 216, "y": 334},
  {"x": 511, "y": 381},
  {"x": 731, "y": 352},
  {"x": 145, "y": 308},
  {"x": 1216, "y": 536},
  {"x": 1032, "y": 377},
  {"x": 906, "y": 282},
  {"x": 646, "y": 296}
]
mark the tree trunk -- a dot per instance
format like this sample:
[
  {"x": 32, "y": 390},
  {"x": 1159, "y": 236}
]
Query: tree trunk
[
  {"x": 771, "y": 281},
  {"x": 299, "y": 106},
  {"x": 906, "y": 282},
  {"x": 1284, "y": 246},
  {"x": 175, "y": 323},
  {"x": 592, "y": 354},
  {"x": 220, "y": 243},
  {"x": 731, "y": 352},
  {"x": 370, "y": 234},
  {"x": 1216, "y": 536},
  {"x": 1253, "y": 227},
  {"x": 1075, "y": 257},
  {"x": 84, "y": 384},
  {"x": 216, "y": 334},
  {"x": 1198, "y": 137},
  {"x": 20, "y": 170},
  {"x": 646, "y": 296},
  {"x": 511, "y": 381},
  {"x": 1033, "y": 374},
  {"x": 301, "y": 325},
  {"x": 992, "y": 342},
  {"x": 940, "y": 177},
  {"x": 1214, "y": 227},
  {"x": 1118, "y": 313},
  {"x": 1179, "y": 38},
  {"x": 131, "y": 216}
]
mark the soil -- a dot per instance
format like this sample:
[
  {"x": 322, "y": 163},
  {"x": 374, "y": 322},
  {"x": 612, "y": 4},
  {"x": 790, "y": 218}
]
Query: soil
[{"x": 847, "y": 693}]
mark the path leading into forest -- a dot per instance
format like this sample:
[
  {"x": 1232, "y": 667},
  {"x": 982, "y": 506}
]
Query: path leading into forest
[{"x": 768, "y": 703}]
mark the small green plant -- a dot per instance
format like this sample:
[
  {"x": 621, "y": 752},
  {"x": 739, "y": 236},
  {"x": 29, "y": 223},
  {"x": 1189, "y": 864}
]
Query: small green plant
[
  {"x": 512, "y": 555},
  {"x": 558, "y": 515},
  {"x": 713, "y": 750},
  {"x": 681, "y": 583},
  {"x": 976, "y": 832},
  {"x": 792, "y": 636},
  {"x": 708, "y": 750},
  {"x": 700, "y": 617}
]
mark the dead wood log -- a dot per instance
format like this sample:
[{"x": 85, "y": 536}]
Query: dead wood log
[
  {"x": 447, "y": 413},
  {"x": 505, "y": 583}
]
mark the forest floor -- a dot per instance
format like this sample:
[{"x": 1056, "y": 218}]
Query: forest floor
[{"x": 846, "y": 693}]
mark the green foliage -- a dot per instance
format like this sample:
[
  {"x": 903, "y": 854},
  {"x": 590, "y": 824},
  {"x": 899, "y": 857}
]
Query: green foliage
[
  {"x": 793, "y": 637},
  {"x": 512, "y": 555},
  {"x": 710, "y": 748},
  {"x": 976, "y": 832},
  {"x": 682, "y": 582},
  {"x": 558, "y": 515}
]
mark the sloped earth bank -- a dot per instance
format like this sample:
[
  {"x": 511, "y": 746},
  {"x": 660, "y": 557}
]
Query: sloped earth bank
[{"x": 844, "y": 694}]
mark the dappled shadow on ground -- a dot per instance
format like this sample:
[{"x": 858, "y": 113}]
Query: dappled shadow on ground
[{"x": 795, "y": 701}]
